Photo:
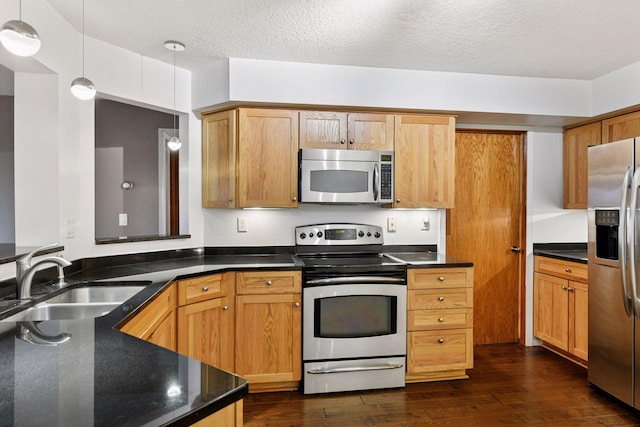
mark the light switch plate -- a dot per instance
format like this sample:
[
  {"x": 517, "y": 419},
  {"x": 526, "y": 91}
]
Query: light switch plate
[
  {"x": 391, "y": 224},
  {"x": 243, "y": 225},
  {"x": 123, "y": 219}
]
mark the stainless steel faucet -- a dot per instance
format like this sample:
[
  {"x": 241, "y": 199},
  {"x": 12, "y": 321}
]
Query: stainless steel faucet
[{"x": 25, "y": 270}]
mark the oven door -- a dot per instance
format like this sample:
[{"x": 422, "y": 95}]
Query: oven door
[
  {"x": 354, "y": 321},
  {"x": 339, "y": 181}
]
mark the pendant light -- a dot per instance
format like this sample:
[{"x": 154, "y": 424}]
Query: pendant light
[
  {"x": 82, "y": 87},
  {"x": 174, "y": 143},
  {"x": 20, "y": 38}
]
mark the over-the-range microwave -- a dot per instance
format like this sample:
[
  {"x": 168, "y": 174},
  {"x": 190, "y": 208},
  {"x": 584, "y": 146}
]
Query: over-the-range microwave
[{"x": 346, "y": 176}]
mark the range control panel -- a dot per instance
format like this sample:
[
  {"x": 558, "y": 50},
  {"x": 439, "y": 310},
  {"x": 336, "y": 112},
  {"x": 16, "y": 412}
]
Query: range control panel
[{"x": 339, "y": 234}]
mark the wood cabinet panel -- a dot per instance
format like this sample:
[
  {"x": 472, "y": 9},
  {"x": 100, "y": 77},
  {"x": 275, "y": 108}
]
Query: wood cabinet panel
[
  {"x": 219, "y": 159},
  {"x": 268, "y": 282},
  {"x": 268, "y": 340},
  {"x": 429, "y": 299},
  {"x": 165, "y": 332},
  {"x": 446, "y": 350},
  {"x": 267, "y": 158},
  {"x": 579, "y": 320},
  {"x": 551, "y": 301},
  {"x": 368, "y": 131},
  {"x": 201, "y": 289},
  {"x": 576, "y": 142},
  {"x": 424, "y": 161},
  {"x": 425, "y": 278},
  {"x": 440, "y": 319},
  {"x": 323, "y": 129},
  {"x": 621, "y": 127},
  {"x": 560, "y": 268},
  {"x": 152, "y": 315}
]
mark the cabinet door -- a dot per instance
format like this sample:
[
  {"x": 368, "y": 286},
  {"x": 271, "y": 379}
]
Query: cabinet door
[
  {"x": 370, "y": 131},
  {"x": 433, "y": 351},
  {"x": 219, "y": 159},
  {"x": 269, "y": 329},
  {"x": 205, "y": 332},
  {"x": 424, "y": 161},
  {"x": 267, "y": 158},
  {"x": 551, "y": 310},
  {"x": 165, "y": 333},
  {"x": 579, "y": 319},
  {"x": 576, "y": 142},
  {"x": 323, "y": 129},
  {"x": 621, "y": 127}
]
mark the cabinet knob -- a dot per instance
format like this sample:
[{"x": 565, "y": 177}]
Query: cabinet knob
[
  {"x": 205, "y": 289},
  {"x": 225, "y": 307},
  {"x": 294, "y": 198},
  {"x": 269, "y": 283},
  {"x": 564, "y": 288},
  {"x": 342, "y": 141},
  {"x": 441, "y": 278},
  {"x": 568, "y": 270},
  {"x": 570, "y": 289},
  {"x": 441, "y": 320},
  {"x": 397, "y": 200},
  {"x": 297, "y": 304},
  {"x": 441, "y": 299},
  {"x": 351, "y": 141},
  {"x": 230, "y": 199},
  {"x": 441, "y": 340}
]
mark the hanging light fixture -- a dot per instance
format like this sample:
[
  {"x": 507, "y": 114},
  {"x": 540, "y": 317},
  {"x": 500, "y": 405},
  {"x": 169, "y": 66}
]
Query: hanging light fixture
[
  {"x": 82, "y": 87},
  {"x": 174, "y": 143},
  {"x": 20, "y": 38}
]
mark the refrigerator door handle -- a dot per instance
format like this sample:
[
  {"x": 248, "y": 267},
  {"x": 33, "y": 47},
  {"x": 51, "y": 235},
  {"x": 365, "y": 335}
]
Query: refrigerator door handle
[
  {"x": 622, "y": 244},
  {"x": 631, "y": 237}
]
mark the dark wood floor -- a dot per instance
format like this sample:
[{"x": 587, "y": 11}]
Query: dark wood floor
[{"x": 509, "y": 385}]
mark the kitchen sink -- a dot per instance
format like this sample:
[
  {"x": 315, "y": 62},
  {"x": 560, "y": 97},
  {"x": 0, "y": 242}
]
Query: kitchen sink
[{"x": 77, "y": 303}]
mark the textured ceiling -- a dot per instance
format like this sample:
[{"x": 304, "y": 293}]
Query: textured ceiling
[{"x": 574, "y": 39}]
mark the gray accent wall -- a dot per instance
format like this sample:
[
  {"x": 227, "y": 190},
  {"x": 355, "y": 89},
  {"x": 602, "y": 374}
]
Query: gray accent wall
[{"x": 135, "y": 130}]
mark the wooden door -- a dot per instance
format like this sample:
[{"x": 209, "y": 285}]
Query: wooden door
[
  {"x": 370, "y": 131},
  {"x": 268, "y": 338},
  {"x": 579, "y": 319},
  {"x": 267, "y": 158},
  {"x": 424, "y": 161},
  {"x": 219, "y": 159},
  {"x": 551, "y": 310},
  {"x": 485, "y": 224},
  {"x": 205, "y": 332},
  {"x": 621, "y": 127},
  {"x": 323, "y": 129},
  {"x": 576, "y": 142}
]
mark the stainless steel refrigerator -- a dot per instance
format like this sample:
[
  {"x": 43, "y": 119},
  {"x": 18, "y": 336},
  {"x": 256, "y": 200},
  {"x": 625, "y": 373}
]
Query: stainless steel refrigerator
[{"x": 614, "y": 268}]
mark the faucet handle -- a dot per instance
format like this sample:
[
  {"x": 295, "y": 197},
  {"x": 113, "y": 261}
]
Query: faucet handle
[{"x": 26, "y": 259}]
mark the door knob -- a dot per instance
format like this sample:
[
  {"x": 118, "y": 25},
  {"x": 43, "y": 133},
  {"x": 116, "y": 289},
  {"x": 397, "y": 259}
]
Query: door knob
[{"x": 516, "y": 249}]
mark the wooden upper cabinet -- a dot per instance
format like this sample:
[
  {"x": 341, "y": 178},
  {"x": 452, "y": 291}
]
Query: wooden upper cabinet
[
  {"x": 621, "y": 127},
  {"x": 576, "y": 143},
  {"x": 424, "y": 161},
  {"x": 219, "y": 159},
  {"x": 267, "y": 158},
  {"x": 346, "y": 131}
]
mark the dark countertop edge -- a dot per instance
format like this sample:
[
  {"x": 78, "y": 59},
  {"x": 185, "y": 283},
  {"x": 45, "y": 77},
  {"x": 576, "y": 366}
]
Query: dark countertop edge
[
  {"x": 448, "y": 264},
  {"x": 576, "y": 252},
  {"x": 126, "y": 239}
]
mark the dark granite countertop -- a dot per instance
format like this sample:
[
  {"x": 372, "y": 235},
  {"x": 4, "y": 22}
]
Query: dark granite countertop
[
  {"x": 576, "y": 252},
  {"x": 102, "y": 376}
]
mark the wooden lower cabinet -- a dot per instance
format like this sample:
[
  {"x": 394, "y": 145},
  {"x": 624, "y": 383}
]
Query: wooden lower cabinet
[
  {"x": 156, "y": 322},
  {"x": 268, "y": 347},
  {"x": 560, "y": 301},
  {"x": 439, "y": 323},
  {"x": 229, "y": 416},
  {"x": 206, "y": 319}
]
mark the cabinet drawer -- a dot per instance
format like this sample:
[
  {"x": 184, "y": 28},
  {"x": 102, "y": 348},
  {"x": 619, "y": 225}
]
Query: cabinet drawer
[
  {"x": 268, "y": 282},
  {"x": 560, "y": 268},
  {"x": 201, "y": 289},
  {"x": 439, "y": 319},
  {"x": 439, "y": 298},
  {"x": 429, "y": 351},
  {"x": 424, "y": 278}
]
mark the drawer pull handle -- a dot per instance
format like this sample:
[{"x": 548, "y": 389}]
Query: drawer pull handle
[
  {"x": 205, "y": 289},
  {"x": 225, "y": 307},
  {"x": 441, "y": 278},
  {"x": 441, "y": 340},
  {"x": 269, "y": 283},
  {"x": 441, "y": 299},
  {"x": 441, "y": 320}
]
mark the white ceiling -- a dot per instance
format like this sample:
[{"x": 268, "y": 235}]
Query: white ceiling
[{"x": 572, "y": 39}]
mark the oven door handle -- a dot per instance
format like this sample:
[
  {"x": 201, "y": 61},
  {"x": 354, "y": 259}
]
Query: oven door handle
[
  {"x": 354, "y": 279},
  {"x": 355, "y": 369}
]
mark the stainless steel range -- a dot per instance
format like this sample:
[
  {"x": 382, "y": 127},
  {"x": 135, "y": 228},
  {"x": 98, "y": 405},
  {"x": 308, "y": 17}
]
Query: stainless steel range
[{"x": 354, "y": 309}]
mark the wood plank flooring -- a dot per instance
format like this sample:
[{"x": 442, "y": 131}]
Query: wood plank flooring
[{"x": 510, "y": 385}]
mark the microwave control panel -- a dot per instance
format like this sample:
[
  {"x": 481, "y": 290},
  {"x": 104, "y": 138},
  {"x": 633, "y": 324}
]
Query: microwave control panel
[{"x": 386, "y": 181}]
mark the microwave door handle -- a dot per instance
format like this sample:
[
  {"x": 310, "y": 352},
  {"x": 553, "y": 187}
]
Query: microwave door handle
[{"x": 376, "y": 182}]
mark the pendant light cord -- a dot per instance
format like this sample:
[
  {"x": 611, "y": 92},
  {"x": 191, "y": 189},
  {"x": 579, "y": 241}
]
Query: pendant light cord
[
  {"x": 82, "y": 38},
  {"x": 20, "y": 10},
  {"x": 174, "y": 91}
]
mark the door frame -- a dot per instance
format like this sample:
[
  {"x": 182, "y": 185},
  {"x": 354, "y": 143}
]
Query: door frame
[{"x": 522, "y": 244}]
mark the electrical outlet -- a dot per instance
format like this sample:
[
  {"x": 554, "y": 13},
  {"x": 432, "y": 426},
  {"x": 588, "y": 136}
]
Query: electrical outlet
[
  {"x": 123, "y": 220},
  {"x": 243, "y": 225},
  {"x": 391, "y": 224}
]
